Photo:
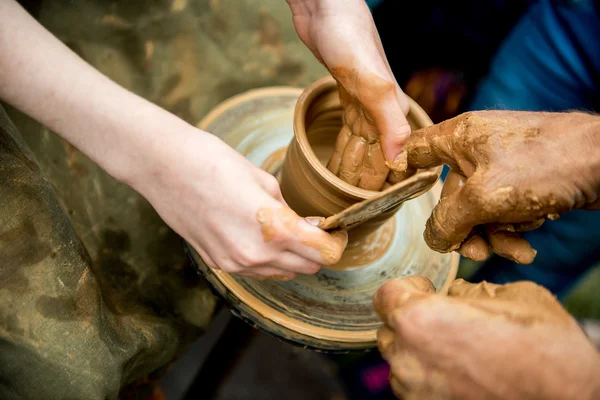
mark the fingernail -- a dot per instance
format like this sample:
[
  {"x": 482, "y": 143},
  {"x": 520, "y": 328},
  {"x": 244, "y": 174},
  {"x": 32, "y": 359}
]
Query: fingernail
[
  {"x": 315, "y": 221},
  {"x": 400, "y": 163}
]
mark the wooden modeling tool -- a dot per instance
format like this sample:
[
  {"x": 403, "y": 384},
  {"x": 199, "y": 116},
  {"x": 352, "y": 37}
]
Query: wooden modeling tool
[{"x": 381, "y": 203}]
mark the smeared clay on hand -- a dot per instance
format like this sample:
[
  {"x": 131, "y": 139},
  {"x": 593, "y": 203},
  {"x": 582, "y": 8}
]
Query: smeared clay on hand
[
  {"x": 501, "y": 238},
  {"x": 510, "y": 171},
  {"x": 483, "y": 341},
  {"x": 374, "y": 126},
  {"x": 282, "y": 224}
]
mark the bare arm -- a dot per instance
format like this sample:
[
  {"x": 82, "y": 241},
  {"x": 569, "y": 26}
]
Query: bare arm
[
  {"x": 168, "y": 161},
  {"x": 47, "y": 81}
]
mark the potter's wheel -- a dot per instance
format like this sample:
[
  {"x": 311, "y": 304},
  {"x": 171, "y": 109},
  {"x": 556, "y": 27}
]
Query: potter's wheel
[{"x": 332, "y": 310}]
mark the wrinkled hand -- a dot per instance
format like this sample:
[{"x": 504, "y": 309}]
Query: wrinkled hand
[
  {"x": 343, "y": 36},
  {"x": 484, "y": 341},
  {"x": 510, "y": 171},
  {"x": 233, "y": 213}
]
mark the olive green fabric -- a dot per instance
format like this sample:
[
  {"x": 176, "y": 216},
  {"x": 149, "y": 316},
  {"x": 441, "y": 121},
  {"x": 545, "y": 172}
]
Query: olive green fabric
[
  {"x": 186, "y": 55},
  {"x": 95, "y": 290}
]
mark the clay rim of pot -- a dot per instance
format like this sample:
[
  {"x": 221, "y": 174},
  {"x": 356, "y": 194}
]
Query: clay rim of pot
[
  {"x": 305, "y": 100},
  {"x": 239, "y": 98}
]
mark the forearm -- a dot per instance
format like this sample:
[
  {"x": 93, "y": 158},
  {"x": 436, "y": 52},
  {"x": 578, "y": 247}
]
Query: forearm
[
  {"x": 323, "y": 7},
  {"x": 46, "y": 80},
  {"x": 335, "y": 30}
]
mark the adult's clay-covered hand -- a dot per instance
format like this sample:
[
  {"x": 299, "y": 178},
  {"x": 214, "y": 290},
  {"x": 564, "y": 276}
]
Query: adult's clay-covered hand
[
  {"x": 343, "y": 36},
  {"x": 510, "y": 171},
  {"x": 234, "y": 215},
  {"x": 483, "y": 341}
]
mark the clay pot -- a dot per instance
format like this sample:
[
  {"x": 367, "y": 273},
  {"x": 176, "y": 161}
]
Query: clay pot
[
  {"x": 331, "y": 310},
  {"x": 307, "y": 185}
]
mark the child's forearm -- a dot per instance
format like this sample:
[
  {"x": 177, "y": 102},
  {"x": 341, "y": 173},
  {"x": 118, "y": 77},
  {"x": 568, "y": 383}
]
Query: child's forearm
[{"x": 46, "y": 80}]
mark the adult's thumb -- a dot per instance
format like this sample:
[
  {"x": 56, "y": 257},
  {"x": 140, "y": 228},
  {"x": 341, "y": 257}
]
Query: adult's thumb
[
  {"x": 433, "y": 146},
  {"x": 396, "y": 292}
]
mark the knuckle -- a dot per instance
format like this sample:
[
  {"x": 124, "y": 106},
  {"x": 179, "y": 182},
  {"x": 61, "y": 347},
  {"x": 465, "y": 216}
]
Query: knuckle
[
  {"x": 403, "y": 131},
  {"x": 312, "y": 268},
  {"x": 410, "y": 326},
  {"x": 467, "y": 122},
  {"x": 282, "y": 236},
  {"x": 476, "y": 193},
  {"x": 473, "y": 188},
  {"x": 397, "y": 136},
  {"x": 489, "y": 201},
  {"x": 471, "y": 119},
  {"x": 211, "y": 263},
  {"x": 251, "y": 257},
  {"x": 414, "y": 324},
  {"x": 272, "y": 185},
  {"x": 467, "y": 115},
  {"x": 230, "y": 266}
]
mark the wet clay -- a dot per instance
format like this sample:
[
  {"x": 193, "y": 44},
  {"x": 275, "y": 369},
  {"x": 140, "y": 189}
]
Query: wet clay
[
  {"x": 282, "y": 223},
  {"x": 308, "y": 187},
  {"x": 506, "y": 184},
  {"x": 358, "y": 158},
  {"x": 501, "y": 238},
  {"x": 368, "y": 249},
  {"x": 524, "y": 302}
]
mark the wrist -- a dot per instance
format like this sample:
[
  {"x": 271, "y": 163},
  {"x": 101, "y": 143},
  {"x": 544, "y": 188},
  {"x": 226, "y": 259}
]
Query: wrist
[{"x": 162, "y": 152}]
